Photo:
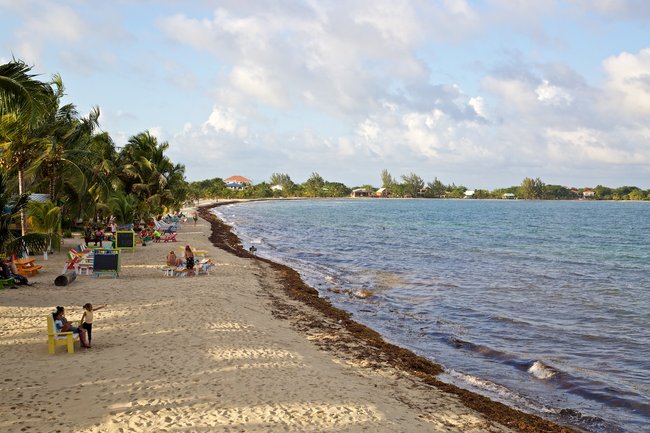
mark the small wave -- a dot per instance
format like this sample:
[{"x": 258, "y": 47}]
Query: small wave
[
  {"x": 482, "y": 350},
  {"x": 511, "y": 320},
  {"x": 499, "y": 392},
  {"x": 507, "y": 396},
  {"x": 541, "y": 370}
]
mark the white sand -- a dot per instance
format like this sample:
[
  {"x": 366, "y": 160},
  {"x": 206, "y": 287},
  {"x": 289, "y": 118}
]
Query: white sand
[{"x": 202, "y": 354}]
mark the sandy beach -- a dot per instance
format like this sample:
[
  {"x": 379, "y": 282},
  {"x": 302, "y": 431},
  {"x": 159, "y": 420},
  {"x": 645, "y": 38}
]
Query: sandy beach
[{"x": 248, "y": 348}]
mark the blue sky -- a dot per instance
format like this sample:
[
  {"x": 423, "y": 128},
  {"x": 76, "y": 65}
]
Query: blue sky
[{"x": 477, "y": 93}]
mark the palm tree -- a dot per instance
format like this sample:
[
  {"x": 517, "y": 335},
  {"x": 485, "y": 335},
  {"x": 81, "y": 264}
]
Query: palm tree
[
  {"x": 123, "y": 207},
  {"x": 69, "y": 139},
  {"x": 151, "y": 176},
  {"x": 19, "y": 91},
  {"x": 46, "y": 218},
  {"x": 10, "y": 209},
  {"x": 24, "y": 128}
]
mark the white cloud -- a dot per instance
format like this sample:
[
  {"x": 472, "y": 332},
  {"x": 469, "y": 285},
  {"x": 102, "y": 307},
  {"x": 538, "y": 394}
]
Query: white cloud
[
  {"x": 588, "y": 145},
  {"x": 478, "y": 105},
  {"x": 552, "y": 95},
  {"x": 628, "y": 83},
  {"x": 225, "y": 120},
  {"x": 45, "y": 23}
]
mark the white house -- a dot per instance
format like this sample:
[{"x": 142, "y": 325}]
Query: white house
[{"x": 237, "y": 182}]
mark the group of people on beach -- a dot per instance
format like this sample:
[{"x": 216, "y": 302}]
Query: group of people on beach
[
  {"x": 188, "y": 259},
  {"x": 97, "y": 233},
  {"x": 9, "y": 270},
  {"x": 85, "y": 331}
]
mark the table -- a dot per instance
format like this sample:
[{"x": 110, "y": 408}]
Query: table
[{"x": 26, "y": 267}]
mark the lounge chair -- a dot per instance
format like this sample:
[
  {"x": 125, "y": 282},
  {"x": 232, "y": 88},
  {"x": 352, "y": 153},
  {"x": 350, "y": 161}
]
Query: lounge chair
[{"x": 168, "y": 237}]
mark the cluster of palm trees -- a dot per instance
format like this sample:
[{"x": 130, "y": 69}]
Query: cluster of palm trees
[{"x": 48, "y": 147}]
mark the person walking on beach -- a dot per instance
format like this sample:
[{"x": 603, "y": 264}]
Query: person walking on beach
[
  {"x": 87, "y": 320},
  {"x": 195, "y": 217}
]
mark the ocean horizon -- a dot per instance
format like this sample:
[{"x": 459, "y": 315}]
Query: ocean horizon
[{"x": 541, "y": 305}]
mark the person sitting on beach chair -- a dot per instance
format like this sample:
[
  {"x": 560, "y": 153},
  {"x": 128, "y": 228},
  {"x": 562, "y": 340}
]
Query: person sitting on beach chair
[
  {"x": 9, "y": 270},
  {"x": 61, "y": 324},
  {"x": 173, "y": 260}
]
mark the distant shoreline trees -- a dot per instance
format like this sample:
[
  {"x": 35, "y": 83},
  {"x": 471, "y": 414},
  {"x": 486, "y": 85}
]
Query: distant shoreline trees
[{"x": 412, "y": 186}]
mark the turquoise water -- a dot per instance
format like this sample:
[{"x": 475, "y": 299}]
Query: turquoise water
[{"x": 542, "y": 305}]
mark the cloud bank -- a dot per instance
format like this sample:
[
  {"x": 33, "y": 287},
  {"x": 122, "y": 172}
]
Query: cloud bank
[{"x": 476, "y": 93}]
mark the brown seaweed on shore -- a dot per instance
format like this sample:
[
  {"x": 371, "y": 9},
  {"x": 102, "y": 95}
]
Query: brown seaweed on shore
[{"x": 369, "y": 344}]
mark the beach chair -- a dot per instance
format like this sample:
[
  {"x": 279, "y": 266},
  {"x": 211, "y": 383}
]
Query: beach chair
[
  {"x": 168, "y": 271},
  {"x": 168, "y": 237},
  {"x": 7, "y": 282},
  {"x": 59, "y": 338},
  {"x": 166, "y": 228},
  {"x": 204, "y": 266}
]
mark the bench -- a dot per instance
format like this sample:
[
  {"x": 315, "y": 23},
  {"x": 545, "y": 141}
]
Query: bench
[{"x": 59, "y": 338}]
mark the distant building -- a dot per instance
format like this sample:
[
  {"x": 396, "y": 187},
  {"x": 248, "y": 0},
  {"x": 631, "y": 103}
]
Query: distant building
[
  {"x": 40, "y": 198},
  {"x": 588, "y": 193},
  {"x": 381, "y": 192},
  {"x": 237, "y": 182},
  {"x": 469, "y": 193},
  {"x": 276, "y": 188},
  {"x": 508, "y": 196},
  {"x": 360, "y": 192}
]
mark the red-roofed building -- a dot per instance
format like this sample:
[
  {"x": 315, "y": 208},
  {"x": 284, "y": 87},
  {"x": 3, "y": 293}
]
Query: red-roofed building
[{"x": 237, "y": 182}]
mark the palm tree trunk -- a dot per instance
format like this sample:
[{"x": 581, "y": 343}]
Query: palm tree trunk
[{"x": 21, "y": 191}]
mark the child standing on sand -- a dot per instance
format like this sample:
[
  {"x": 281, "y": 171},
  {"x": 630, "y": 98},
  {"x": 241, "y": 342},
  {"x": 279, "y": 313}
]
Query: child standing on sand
[{"x": 87, "y": 320}]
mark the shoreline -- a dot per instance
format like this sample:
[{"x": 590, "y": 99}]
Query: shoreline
[
  {"x": 246, "y": 349},
  {"x": 365, "y": 343}
]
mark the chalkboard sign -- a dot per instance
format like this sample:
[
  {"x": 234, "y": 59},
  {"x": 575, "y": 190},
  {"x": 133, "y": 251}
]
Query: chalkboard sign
[
  {"x": 106, "y": 263},
  {"x": 125, "y": 240}
]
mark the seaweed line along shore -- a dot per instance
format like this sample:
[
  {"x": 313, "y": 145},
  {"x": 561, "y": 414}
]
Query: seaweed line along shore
[{"x": 360, "y": 342}]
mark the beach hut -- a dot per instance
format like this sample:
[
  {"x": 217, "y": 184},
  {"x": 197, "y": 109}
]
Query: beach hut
[
  {"x": 469, "y": 193},
  {"x": 381, "y": 192},
  {"x": 360, "y": 192},
  {"x": 508, "y": 196}
]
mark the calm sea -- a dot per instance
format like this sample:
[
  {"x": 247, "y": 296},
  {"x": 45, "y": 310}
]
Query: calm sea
[{"x": 542, "y": 305}]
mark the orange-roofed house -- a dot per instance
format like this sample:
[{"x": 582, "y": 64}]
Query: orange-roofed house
[{"x": 237, "y": 182}]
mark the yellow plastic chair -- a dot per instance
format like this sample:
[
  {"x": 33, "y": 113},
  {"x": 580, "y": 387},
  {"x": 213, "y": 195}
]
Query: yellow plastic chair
[{"x": 59, "y": 338}]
